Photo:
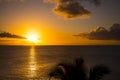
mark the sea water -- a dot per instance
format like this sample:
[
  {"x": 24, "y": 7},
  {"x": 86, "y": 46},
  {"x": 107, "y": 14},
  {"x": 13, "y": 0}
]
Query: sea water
[{"x": 35, "y": 62}]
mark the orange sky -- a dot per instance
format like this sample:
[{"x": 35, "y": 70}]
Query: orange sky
[{"x": 36, "y": 16}]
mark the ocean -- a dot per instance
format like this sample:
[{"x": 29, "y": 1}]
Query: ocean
[{"x": 34, "y": 62}]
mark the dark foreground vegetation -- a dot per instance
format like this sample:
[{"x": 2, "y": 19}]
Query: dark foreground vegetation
[{"x": 78, "y": 71}]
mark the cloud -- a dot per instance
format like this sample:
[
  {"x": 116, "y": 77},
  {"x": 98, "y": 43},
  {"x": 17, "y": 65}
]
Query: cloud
[
  {"x": 9, "y": 35},
  {"x": 69, "y": 9},
  {"x": 72, "y": 9},
  {"x": 102, "y": 34}
]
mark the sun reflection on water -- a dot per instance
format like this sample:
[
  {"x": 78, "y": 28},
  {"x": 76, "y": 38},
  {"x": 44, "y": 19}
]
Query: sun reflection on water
[{"x": 32, "y": 63}]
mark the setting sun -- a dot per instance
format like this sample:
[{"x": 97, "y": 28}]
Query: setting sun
[{"x": 33, "y": 37}]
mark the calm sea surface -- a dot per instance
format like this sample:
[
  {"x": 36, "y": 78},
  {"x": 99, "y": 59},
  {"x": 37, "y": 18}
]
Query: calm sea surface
[{"x": 34, "y": 62}]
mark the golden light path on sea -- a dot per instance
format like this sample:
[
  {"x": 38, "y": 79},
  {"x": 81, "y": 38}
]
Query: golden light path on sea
[{"x": 33, "y": 63}]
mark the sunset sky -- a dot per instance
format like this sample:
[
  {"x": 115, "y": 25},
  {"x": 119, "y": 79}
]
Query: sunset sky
[{"x": 60, "y": 22}]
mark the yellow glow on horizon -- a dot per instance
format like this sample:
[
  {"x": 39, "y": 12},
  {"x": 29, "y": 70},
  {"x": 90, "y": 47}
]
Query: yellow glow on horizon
[{"x": 33, "y": 37}]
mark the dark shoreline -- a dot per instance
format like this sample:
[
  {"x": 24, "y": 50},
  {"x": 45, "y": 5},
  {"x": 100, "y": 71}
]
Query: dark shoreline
[{"x": 61, "y": 45}]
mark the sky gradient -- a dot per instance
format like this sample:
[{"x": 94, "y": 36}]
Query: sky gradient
[{"x": 54, "y": 27}]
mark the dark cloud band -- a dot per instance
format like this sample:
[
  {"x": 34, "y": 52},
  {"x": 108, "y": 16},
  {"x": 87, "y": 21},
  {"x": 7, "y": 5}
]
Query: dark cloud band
[
  {"x": 9, "y": 35},
  {"x": 103, "y": 34}
]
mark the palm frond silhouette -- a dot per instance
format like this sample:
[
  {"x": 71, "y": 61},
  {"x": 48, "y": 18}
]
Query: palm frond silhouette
[{"x": 78, "y": 71}]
